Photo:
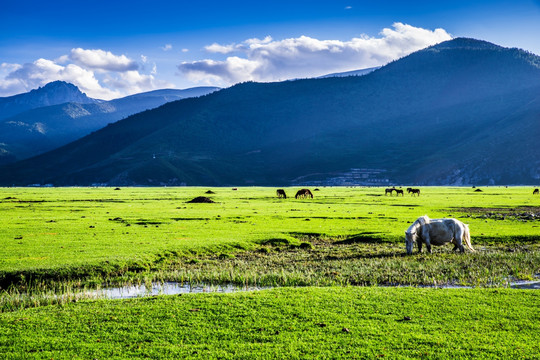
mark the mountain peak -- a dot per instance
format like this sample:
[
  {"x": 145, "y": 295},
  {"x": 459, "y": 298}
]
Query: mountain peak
[
  {"x": 58, "y": 84},
  {"x": 466, "y": 43},
  {"x": 58, "y": 92},
  {"x": 53, "y": 93}
]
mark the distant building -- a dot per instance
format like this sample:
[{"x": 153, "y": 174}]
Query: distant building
[{"x": 353, "y": 177}]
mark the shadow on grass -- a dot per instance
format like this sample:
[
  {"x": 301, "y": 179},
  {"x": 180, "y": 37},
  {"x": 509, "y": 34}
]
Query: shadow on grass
[{"x": 364, "y": 238}]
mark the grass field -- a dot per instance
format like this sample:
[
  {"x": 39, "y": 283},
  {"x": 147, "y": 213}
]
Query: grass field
[
  {"x": 58, "y": 241},
  {"x": 55, "y": 228},
  {"x": 289, "y": 323}
]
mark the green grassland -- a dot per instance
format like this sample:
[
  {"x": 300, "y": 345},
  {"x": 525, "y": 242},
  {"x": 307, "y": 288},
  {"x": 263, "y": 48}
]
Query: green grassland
[
  {"x": 342, "y": 236},
  {"x": 288, "y": 323},
  {"x": 64, "y": 227},
  {"x": 59, "y": 241}
]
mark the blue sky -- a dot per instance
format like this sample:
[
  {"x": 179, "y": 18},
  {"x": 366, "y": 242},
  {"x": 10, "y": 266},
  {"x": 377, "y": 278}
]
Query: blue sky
[{"x": 115, "y": 48}]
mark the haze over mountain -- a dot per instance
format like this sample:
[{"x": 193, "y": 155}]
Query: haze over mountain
[
  {"x": 54, "y": 93},
  {"x": 58, "y": 113},
  {"x": 461, "y": 112},
  {"x": 359, "y": 72}
]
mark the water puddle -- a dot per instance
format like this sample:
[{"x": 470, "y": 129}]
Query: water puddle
[
  {"x": 168, "y": 288},
  {"x": 175, "y": 288},
  {"x": 530, "y": 285}
]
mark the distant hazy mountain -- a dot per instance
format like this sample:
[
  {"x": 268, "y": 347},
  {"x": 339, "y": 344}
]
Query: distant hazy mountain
[
  {"x": 74, "y": 115},
  {"x": 460, "y": 112},
  {"x": 56, "y": 92},
  {"x": 351, "y": 73}
]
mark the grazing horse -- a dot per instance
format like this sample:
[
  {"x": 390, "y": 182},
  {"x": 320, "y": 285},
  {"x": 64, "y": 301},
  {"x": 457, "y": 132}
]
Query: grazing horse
[
  {"x": 415, "y": 191},
  {"x": 389, "y": 191},
  {"x": 409, "y": 190},
  {"x": 303, "y": 193},
  {"x": 399, "y": 191},
  {"x": 536, "y": 191},
  {"x": 281, "y": 193},
  {"x": 437, "y": 232}
]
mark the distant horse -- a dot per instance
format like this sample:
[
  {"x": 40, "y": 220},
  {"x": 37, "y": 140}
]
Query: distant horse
[
  {"x": 399, "y": 191},
  {"x": 281, "y": 193},
  {"x": 536, "y": 191},
  {"x": 389, "y": 191},
  {"x": 437, "y": 232},
  {"x": 303, "y": 193},
  {"x": 409, "y": 190},
  {"x": 415, "y": 191}
]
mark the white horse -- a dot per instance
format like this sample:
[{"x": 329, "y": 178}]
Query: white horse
[{"x": 437, "y": 232}]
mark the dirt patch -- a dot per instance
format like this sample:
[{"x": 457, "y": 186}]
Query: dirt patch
[
  {"x": 146, "y": 222},
  {"x": 201, "y": 200},
  {"x": 209, "y": 192},
  {"x": 365, "y": 237},
  {"x": 498, "y": 209},
  {"x": 276, "y": 242},
  {"x": 522, "y": 213},
  {"x": 188, "y": 219}
]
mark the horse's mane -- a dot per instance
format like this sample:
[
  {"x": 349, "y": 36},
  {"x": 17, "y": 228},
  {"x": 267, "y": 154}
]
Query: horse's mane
[{"x": 421, "y": 221}]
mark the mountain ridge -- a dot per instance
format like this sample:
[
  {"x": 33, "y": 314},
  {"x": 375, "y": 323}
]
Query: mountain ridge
[
  {"x": 433, "y": 117},
  {"x": 53, "y": 93},
  {"x": 44, "y": 128}
]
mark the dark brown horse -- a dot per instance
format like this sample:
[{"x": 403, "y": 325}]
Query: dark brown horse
[
  {"x": 281, "y": 193},
  {"x": 415, "y": 191},
  {"x": 536, "y": 191},
  {"x": 389, "y": 191},
  {"x": 303, "y": 193},
  {"x": 398, "y": 192}
]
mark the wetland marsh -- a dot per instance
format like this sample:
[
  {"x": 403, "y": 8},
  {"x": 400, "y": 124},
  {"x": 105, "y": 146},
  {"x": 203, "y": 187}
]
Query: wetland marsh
[{"x": 59, "y": 244}]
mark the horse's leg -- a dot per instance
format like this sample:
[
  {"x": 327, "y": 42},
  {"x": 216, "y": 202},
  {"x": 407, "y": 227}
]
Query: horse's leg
[
  {"x": 426, "y": 238},
  {"x": 458, "y": 238},
  {"x": 419, "y": 242}
]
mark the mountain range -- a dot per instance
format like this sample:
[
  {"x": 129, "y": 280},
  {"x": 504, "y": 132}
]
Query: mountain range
[
  {"x": 460, "y": 112},
  {"x": 58, "y": 113}
]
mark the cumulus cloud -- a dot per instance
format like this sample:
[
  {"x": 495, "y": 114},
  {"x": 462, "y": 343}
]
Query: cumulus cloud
[
  {"x": 270, "y": 60},
  {"x": 167, "y": 47},
  {"x": 134, "y": 82},
  {"x": 102, "y": 60},
  {"x": 223, "y": 49},
  {"x": 42, "y": 71},
  {"x": 100, "y": 74}
]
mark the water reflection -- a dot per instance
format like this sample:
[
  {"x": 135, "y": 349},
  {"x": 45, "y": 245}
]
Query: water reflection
[{"x": 168, "y": 288}]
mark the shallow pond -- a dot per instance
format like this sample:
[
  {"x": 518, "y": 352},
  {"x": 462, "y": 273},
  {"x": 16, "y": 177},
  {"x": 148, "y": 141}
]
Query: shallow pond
[
  {"x": 167, "y": 288},
  {"x": 175, "y": 288},
  {"x": 531, "y": 285}
]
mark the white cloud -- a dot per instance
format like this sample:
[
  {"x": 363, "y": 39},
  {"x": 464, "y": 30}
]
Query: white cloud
[
  {"x": 271, "y": 60},
  {"x": 102, "y": 60},
  {"x": 133, "y": 82},
  {"x": 222, "y": 49},
  {"x": 97, "y": 73},
  {"x": 167, "y": 47},
  {"x": 185, "y": 50},
  {"x": 42, "y": 71}
]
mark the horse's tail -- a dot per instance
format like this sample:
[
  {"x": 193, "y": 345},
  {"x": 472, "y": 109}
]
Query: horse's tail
[{"x": 467, "y": 237}]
